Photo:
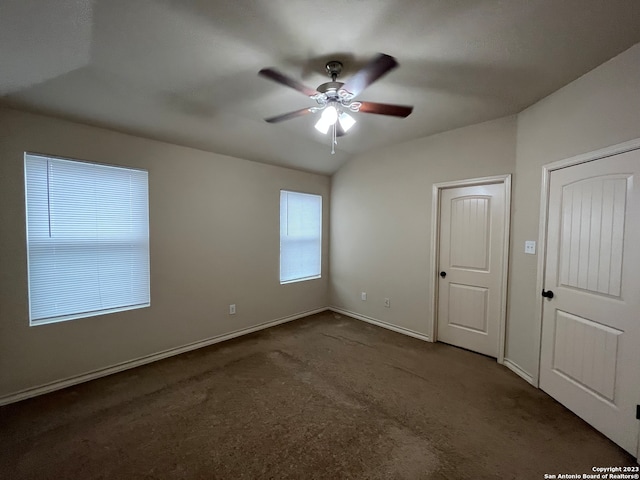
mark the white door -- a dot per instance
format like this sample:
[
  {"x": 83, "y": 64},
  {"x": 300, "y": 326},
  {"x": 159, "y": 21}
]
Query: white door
[
  {"x": 590, "y": 352},
  {"x": 470, "y": 263}
]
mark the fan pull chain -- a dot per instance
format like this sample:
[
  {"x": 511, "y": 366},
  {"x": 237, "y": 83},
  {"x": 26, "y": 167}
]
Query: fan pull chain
[{"x": 334, "y": 139}]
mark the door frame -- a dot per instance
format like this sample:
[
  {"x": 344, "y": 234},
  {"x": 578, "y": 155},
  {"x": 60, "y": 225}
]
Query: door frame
[
  {"x": 437, "y": 188},
  {"x": 542, "y": 229}
]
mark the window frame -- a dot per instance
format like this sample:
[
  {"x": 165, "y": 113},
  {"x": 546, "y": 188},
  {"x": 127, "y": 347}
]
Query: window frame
[
  {"x": 319, "y": 238},
  {"x": 91, "y": 313}
]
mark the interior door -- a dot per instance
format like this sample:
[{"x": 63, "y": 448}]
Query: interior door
[
  {"x": 470, "y": 263},
  {"x": 590, "y": 351}
]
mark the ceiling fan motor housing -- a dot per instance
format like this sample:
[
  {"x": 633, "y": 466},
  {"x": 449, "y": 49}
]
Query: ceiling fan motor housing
[
  {"x": 329, "y": 88},
  {"x": 332, "y": 91}
]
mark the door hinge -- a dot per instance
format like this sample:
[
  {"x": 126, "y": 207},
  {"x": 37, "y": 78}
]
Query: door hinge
[{"x": 637, "y": 412}]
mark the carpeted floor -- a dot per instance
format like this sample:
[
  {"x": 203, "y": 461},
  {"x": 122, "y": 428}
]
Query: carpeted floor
[{"x": 322, "y": 397}]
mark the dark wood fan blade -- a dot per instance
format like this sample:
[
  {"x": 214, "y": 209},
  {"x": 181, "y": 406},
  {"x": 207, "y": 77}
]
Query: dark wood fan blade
[
  {"x": 371, "y": 72},
  {"x": 281, "y": 78},
  {"x": 385, "y": 109},
  {"x": 288, "y": 116}
]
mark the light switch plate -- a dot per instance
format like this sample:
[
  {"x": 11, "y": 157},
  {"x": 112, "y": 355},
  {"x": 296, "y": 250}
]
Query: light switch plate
[{"x": 530, "y": 247}]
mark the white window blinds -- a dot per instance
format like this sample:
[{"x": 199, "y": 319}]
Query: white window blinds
[
  {"x": 300, "y": 236},
  {"x": 87, "y": 238}
]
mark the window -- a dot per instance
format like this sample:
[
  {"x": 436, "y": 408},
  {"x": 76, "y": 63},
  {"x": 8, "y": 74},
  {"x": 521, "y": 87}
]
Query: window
[
  {"x": 87, "y": 238},
  {"x": 300, "y": 236}
]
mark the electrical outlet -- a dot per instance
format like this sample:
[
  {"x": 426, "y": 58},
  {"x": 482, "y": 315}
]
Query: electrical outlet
[
  {"x": 232, "y": 309},
  {"x": 387, "y": 303},
  {"x": 363, "y": 296}
]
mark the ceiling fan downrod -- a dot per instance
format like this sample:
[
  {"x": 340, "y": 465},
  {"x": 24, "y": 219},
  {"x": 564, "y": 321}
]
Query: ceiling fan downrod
[{"x": 334, "y": 69}]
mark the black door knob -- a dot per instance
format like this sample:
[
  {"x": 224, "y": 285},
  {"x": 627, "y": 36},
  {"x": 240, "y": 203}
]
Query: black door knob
[
  {"x": 547, "y": 293},
  {"x": 443, "y": 274}
]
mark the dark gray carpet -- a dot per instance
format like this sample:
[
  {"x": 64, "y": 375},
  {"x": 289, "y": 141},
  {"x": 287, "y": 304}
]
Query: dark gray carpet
[{"x": 322, "y": 397}]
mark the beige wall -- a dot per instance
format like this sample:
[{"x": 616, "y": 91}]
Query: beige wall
[
  {"x": 381, "y": 202},
  {"x": 214, "y": 228},
  {"x": 214, "y": 233},
  {"x": 381, "y": 218},
  {"x": 601, "y": 108}
]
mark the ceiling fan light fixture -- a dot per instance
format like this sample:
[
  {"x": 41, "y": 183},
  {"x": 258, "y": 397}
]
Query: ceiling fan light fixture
[
  {"x": 346, "y": 121},
  {"x": 330, "y": 115},
  {"x": 328, "y": 118},
  {"x": 322, "y": 126}
]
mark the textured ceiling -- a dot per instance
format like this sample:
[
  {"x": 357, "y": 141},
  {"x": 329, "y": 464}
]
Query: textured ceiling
[{"x": 185, "y": 71}]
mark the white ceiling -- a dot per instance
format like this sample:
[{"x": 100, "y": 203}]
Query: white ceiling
[{"x": 185, "y": 71}]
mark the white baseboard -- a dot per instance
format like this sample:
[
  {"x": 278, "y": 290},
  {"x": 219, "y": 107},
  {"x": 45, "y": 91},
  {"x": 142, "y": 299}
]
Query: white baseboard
[
  {"x": 515, "y": 368},
  {"x": 67, "y": 382},
  {"x": 510, "y": 364},
  {"x": 102, "y": 372},
  {"x": 380, "y": 323}
]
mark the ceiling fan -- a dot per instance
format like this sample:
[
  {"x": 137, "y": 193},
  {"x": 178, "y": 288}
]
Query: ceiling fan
[{"x": 334, "y": 99}]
